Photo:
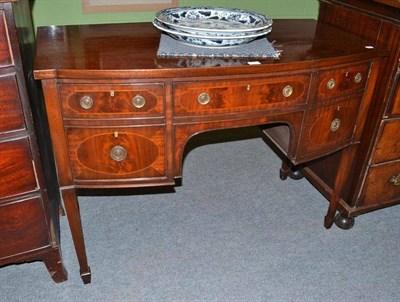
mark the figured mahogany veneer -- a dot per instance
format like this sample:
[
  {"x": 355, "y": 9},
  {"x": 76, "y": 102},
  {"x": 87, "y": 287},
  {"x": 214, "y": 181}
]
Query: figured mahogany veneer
[{"x": 120, "y": 116}]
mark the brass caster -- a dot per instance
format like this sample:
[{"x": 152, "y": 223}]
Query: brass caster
[
  {"x": 345, "y": 223},
  {"x": 296, "y": 175}
]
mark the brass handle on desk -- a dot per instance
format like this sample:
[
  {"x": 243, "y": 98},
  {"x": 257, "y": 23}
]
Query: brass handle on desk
[
  {"x": 358, "y": 78},
  {"x": 203, "y": 98},
  {"x": 287, "y": 91},
  {"x": 331, "y": 84},
  {"x": 335, "y": 124},
  {"x": 395, "y": 180},
  {"x": 86, "y": 102},
  {"x": 138, "y": 101},
  {"x": 118, "y": 153}
]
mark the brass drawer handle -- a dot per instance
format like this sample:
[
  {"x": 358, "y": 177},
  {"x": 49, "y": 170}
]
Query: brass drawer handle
[
  {"x": 358, "y": 78},
  {"x": 203, "y": 98},
  {"x": 138, "y": 101},
  {"x": 395, "y": 180},
  {"x": 335, "y": 125},
  {"x": 86, "y": 102},
  {"x": 118, "y": 153},
  {"x": 331, "y": 84},
  {"x": 287, "y": 91}
]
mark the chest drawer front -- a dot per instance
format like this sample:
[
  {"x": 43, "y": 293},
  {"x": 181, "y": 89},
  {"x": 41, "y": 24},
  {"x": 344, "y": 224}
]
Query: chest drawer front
[
  {"x": 11, "y": 116},
  {"x": 96, "y": 101},
  {"x": 208, "y": 97},
  {"x": 328, "y": 128},
  {"x": 17, "y": 174},
  {"x": 388, "y": 145},
  {"x": 382, "y": 184},
  {"x": 23, "y": 227},
  {"x": 5, "y": 49},
  {"x": 118, "y": 153},
  {"x": 342, "y": 81}
]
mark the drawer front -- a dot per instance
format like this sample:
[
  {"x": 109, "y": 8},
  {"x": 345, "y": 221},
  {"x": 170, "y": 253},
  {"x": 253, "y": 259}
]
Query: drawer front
[
  {"x": 207, "y": 97},
  {"x": 328, "y": 128},
  {"x": 5, "y": 49},
  {"x": 94, "y": 101},
  {"x": 22, "y": 227},
  {"x": 117, "y": 153},
  {"x": 11, "y": 114},
  {"x": 17, "y": 174},
  {"x": 337, "y": 82},
  {"x": 388, "y": 145},
  {"x": 396, "y": 99},
  {"x": 382, "y": 184}
]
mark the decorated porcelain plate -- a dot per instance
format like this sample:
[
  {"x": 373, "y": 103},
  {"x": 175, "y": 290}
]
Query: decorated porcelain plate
[
  {"x": 213, "y": 19},
  {"x": 210, "y": 41}
]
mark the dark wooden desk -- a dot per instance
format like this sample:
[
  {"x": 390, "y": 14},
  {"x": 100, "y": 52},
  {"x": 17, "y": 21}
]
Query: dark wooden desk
[{"x": 120, "y": 116}]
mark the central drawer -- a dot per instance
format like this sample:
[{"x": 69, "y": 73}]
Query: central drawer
[
  {"x": 117, "y": 153},
  {"x": 92, "y": 101},
  {"x": 225, "y": 96}
]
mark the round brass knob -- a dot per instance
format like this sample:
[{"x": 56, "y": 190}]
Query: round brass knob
[
  {"x": 331, "y": 84},
  {"x": 203, "y": 98},
  {"x": 138, "y": 101},
  {"x": 287, "y": 91},
  {"x": 335, "y": 124},
  {"x": 118, "y": 153},
  {"x": 86, "y": 102},
  {"x": 358, "y": 77}
]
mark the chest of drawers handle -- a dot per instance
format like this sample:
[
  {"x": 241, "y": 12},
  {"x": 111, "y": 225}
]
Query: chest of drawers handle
[
  {"x": 86, "y": 102},
  {"x": 395, "y": 180},
  {"x": 331, "y": 84},
  {"x": 138, "y": 101},
  {"x": 335, "y": 125},
  {"x": 287, "y": 91},
  {"x": 358, "y": 77},
  {"x": 118, "y": 153},
  {"x": 203, "y": 98}
]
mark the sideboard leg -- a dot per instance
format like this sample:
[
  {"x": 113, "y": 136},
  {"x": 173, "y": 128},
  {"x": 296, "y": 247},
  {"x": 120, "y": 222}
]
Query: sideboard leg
[
  {"x": 75, "y": 224},
  {"x": 284, "y": 171},
  {"x": 55, "y": 266}
]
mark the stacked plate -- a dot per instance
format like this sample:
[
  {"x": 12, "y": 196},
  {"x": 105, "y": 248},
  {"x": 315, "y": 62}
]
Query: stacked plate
[{"x": 212, "y": 26}]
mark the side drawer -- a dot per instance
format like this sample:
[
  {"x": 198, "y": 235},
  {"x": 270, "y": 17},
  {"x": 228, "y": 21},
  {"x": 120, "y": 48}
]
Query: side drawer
[
  {"x": 5, "y": 49},
  {"x": 212, "y": 97},
  {"x": 11, "y": 116},
  {"x": 388, "y": 145},
  {"x": 111, "y": 101},
  {"x": 342, "y": 81},
  {"x": 17, "y": 174},
  {"x": 382, "y": 184},
  {"x": 23, "y": 227},
  {"x": 328, "y": 128},
  {"x": 117, "y": 153}
]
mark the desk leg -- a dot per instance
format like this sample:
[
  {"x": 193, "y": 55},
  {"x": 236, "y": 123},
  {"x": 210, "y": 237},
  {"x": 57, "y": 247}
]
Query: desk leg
[
  {"x": 74, "y": 220},
  {"x": 346, "y": 158}
]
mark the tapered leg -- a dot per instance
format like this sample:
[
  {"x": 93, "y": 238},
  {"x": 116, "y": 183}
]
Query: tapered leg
[
  {"x": 74, "y": 219},
  {"x": 55, "y": 266}
]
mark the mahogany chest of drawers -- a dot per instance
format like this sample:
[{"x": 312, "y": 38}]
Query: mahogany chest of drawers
[{"x": 28, "y": 207}]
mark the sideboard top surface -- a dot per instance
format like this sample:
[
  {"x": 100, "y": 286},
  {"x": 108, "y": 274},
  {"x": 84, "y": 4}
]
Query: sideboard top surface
[{"x": 124, "y": 50}]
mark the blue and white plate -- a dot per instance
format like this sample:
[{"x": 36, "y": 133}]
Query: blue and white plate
[
  {"x": 213, "y": 19},
  {"x": 213, "y": 40}
]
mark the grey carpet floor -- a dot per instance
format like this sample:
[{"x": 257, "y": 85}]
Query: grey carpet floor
[{"x": 232, "y": 232}]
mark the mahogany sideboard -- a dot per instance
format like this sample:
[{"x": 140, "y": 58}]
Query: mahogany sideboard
[
  {"x": 120, "y": 116},
  {"x": 376, "y": 173},
  {"x": 29, "y": 199}
]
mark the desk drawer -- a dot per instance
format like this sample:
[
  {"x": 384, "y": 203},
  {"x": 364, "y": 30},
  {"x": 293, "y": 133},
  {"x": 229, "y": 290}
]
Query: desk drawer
[
  {"x": 17, "y": 174},
  {"x": 23, "y": 227},
  {"x": 328, "y": 128},
  {"x": 388, "y": 145},
  {"x": 342, "y": 81},
  {"x": 117, "y": 153},
  {"x": 112, "y": 101},
  {"x": 11, "y": 116},
  {"x": 5, "y": 49},
  {"x": 382, "y": 184},
  {"x": 211, "y": 97}
]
